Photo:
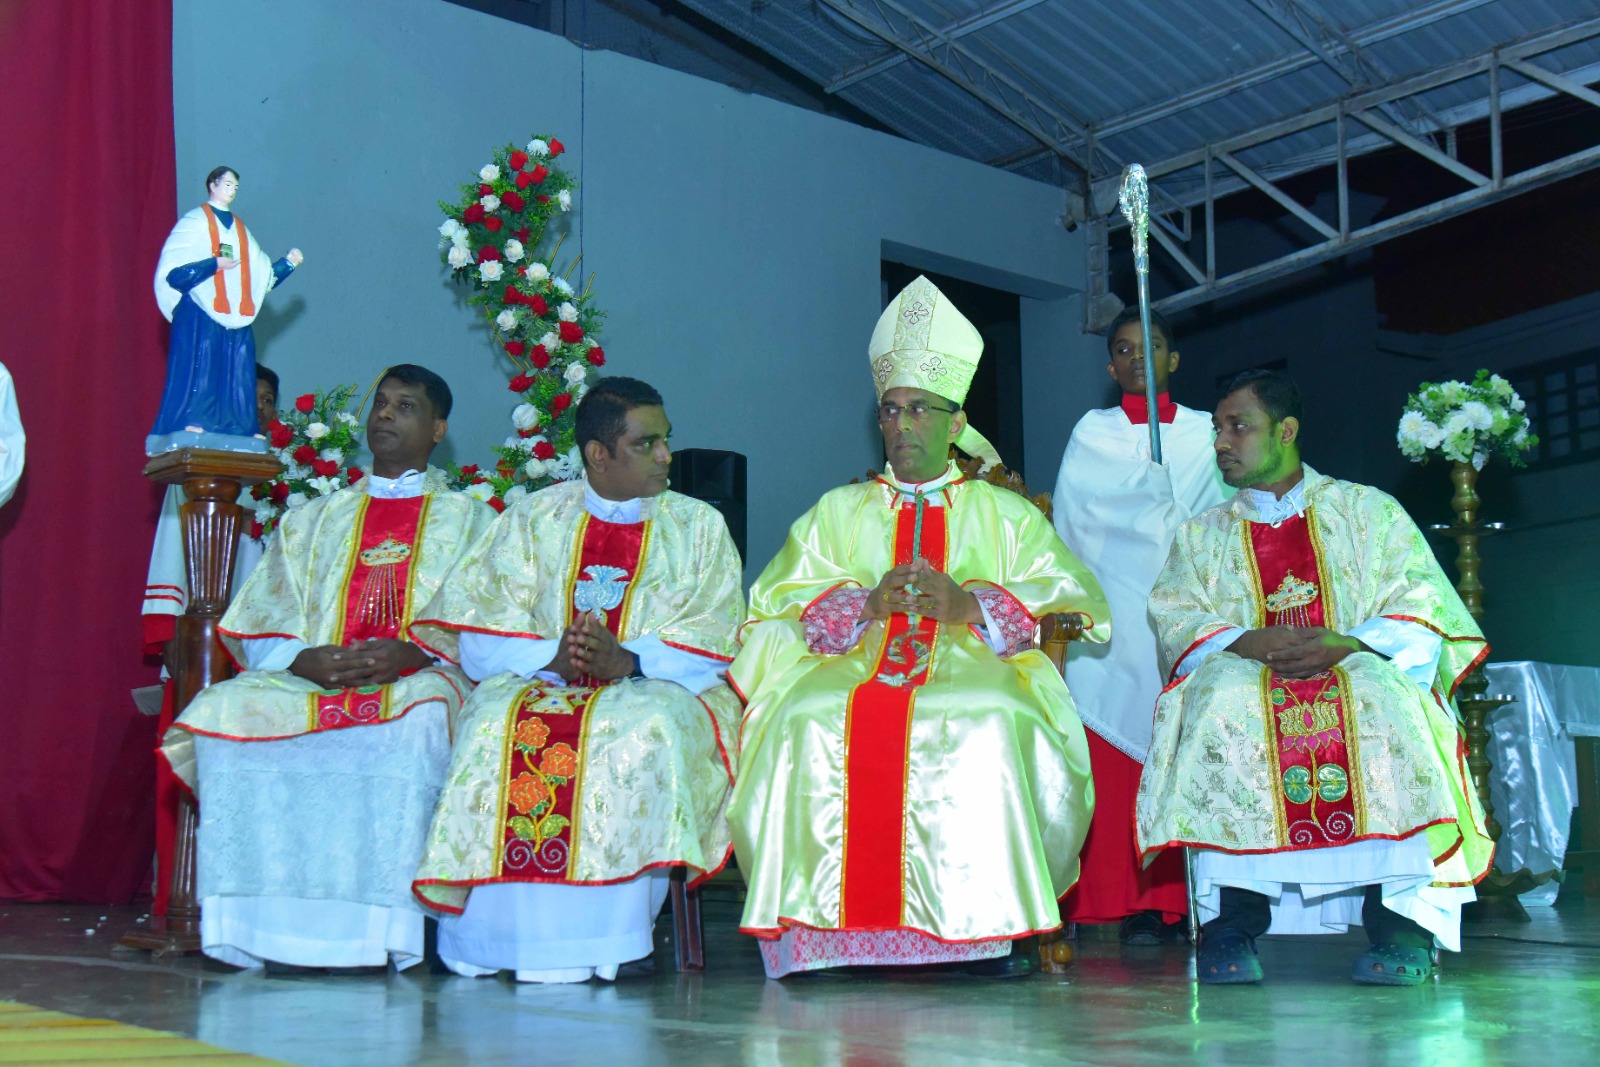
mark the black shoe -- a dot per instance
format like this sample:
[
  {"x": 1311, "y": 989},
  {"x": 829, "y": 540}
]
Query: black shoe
[
  {"x": 1004, "y": 967},
  {"x": 640, "y": 968},
  {"x": 1227, "y": 957},
  {"x": 1143, "y": 928}
]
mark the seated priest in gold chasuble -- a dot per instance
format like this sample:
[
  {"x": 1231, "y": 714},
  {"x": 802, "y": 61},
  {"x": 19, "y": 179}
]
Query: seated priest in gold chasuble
[
  {"x": 914, "y": 781},
  {"x": 317, "y": 768},
  {"x": 1306, "y": 743},
  {"x": 598, "y": 617}
]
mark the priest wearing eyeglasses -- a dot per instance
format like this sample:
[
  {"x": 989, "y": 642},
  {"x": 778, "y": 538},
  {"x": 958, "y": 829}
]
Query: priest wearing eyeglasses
[{"x": 914, "y": 781}]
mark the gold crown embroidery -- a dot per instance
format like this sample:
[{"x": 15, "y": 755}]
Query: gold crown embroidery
[
  {"x": 1292, "y": 593},
  {"x": 388, "y": 551}
]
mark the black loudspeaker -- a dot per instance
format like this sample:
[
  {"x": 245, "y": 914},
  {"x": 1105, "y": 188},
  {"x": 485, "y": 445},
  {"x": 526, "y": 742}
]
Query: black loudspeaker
[{"x": 718, "y": 478}]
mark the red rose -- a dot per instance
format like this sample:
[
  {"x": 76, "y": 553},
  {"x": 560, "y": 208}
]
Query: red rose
[
  {"x": 512, "y": 295},
  {"x": 517, "y": 160},
  {"x": 485, "y": 190},
  {"x": 356, "y": 474},
  {"x": 540, "y": 356},
  {"x": 469, "y": 470},
  {"x": 280, "y": 434},
  {"x": 571, "y": 332},
  {"x": 597, "y": 356},
  {"x": 256, "y": 530},
  {"x": 280, "y": 492},
  {"x": 515, "y": 348},
  {"x": 305, "y": 403},
  {"x": 473, "y": 213},
  {"x": 542, "y": 199},
  {"x": 560, "y": 402},
  {"x": 556, "y": 147},
  {"x": 536, "y": 302},
  {"x": 504, "y": 466},
  {"x": 524, "y": 179},
  {"x": 488, "y": 252},
  {"x": 525, "y": 434},
  {"x": 325, "y": 467},
  {"x": 538, "y": 174},
  {"x": 496, "y": 503},
  {"x": 522, "y": 233},
  {"x": 305, "y": 454},
  {"x": 520, "y": 384},
  {"x": 513, "y": 201},
  {"x": 544, "y": 449},
  {"x": 493, "y": 223}
]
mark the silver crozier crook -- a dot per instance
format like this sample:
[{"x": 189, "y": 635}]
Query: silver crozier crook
[{"x": 1134, "y": 198}]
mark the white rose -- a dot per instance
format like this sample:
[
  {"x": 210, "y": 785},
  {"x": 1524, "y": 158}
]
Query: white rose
[
  {"x": 551, "y": 341},
  {"x": 525, "y": 416},
  {"x": 296, "y": 472},
  {"x": 538, "y": 149},
  {"x": 561, "y": 284},
  {"x": 1410, "y": 425},
  {"x": 295, "y": 500},
  {"x": 489, "y": 173},
  {"x": 347, "y": 418},
  {"x": 480, "y": 491},
  {"x": 538, "y": 272},
  {"x": 490, "y": 271},
  {"x": 317, "y": 431},
  {"x": 514, "y": 494},
  {"x": 331, "y": 455},
  {"x": 489, "y": 201},
  {"x": 449, "y": 228},
  {"x": 1517, "y": 403},
  {"x": 564, "y": 198},
  {"x": 505, "y": 320},
  {"x": 576, "y": 372},
  {"x": 513, "y": 250},
  {"x": 462, "y": 239},
  {"x": 567, "y": 313},
  {"x": 459, "y": 257},
  {"x": 534, "y": 468},
  {"x": 512, "y": 442},
  {"x": 1429, "y": 435}
]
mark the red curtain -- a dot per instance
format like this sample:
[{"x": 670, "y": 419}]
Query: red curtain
[{"x": 87, "y": 195}]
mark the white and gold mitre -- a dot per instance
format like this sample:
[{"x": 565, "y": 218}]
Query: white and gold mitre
[{"x": 923, "y": 342}]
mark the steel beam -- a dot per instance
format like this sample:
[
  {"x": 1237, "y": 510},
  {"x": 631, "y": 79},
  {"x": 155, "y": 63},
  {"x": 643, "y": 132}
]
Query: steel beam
[
  {"x": 952, "y": 31},
  {"x": 1044, "y": 120}
]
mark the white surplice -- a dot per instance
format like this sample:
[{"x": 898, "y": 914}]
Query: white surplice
[{"x": 554, "y": 932}]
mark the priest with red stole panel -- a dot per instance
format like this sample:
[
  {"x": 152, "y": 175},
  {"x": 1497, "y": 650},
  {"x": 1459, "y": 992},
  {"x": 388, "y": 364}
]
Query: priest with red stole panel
[
  {"x": 317, "y": 768},
  {"x": 913, "y": 780},
  {"x": 598, "y": 617},
  {"x": 1306, "y": 743}
]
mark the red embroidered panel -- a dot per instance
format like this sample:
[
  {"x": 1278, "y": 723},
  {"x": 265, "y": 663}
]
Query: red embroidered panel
[
  {"x": 1016, "y": 622},
  {"x": 877, "y": 739},
  {"x": 1309, "y": 723},
  {"x": 1289, "y": 586},
  {"x": 1311, "y": 729},
  {"x": 603, "y": 572},
  {"x": 540, "y": 780},
  {"x": 378, "y": 586}
]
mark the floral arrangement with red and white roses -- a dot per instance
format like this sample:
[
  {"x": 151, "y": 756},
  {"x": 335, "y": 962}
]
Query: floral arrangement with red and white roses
[
  {"x": 314, "y": 441},
  {"x": 490, "y": 241}
]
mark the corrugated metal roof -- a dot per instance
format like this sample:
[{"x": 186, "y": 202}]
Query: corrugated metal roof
[{"x": 1150, "y": 80}]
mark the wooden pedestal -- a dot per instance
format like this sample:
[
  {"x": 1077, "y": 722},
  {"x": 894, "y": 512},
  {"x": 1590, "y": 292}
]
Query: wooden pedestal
[{"x": 212, "y": 521}]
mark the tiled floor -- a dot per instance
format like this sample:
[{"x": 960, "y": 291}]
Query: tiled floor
[{"x": 1518, "y": 994}]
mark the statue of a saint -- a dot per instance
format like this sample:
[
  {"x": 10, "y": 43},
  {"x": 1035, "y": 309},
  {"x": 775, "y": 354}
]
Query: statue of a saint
[{"x": 210, "y": 282}]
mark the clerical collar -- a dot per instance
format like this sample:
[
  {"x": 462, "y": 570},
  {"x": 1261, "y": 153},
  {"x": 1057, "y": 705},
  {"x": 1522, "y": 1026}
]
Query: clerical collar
[
  {"x": 1261, "y": 505},
  {"x": 407, "y": 485},
  {"x": 1137, "y": 408},
  {"x": 622, "y": 512},
  {"x": 932, "y": 485}
]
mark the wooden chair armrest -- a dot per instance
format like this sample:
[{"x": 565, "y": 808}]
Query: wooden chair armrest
[{"x": 1056, "y": 632}]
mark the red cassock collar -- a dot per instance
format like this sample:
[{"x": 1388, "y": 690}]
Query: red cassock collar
[{"x": 1136, "y": 408}]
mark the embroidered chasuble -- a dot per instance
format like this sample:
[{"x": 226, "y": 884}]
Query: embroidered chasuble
[
  {"x": 591, "y": 783},
  {"x": 911, "y": 778},
  {"x": 1246, "y": 761},
  {"x": 342, "y": 569}
]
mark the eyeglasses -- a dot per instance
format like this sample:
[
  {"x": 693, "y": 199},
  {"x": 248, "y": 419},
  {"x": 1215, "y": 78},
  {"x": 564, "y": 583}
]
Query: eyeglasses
[{"x": 916, "y": 409}]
